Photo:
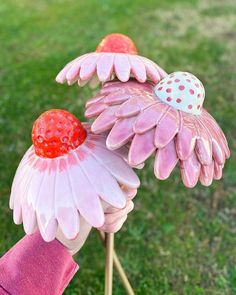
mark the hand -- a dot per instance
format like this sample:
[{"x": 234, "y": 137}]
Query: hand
[{"x": 114, "y": 219}]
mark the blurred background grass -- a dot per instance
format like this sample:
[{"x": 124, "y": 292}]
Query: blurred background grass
[{"x": 177, "y": 241}]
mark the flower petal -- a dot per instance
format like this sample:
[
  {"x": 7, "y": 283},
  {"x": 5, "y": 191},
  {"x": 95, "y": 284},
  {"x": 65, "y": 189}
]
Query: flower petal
[
  {"x": 102, "y": 180},
  {"x": 117, "y": 167},
  {"x": 121, "y": 133},
  {"x": 186, "y": 137},
  {"x": 207, "y": 174},
  {"x": 122, "y": 67},
  {"x": 149, "y": 117},
  {"x": 105, "y": 120},
  {"x": 88, "y": 67},
  {"x": 190, "y": 170},
  {"x": 95, "y": 110},
  {"x": 105, "y": 66},
  {"x": 84, "y": 195},
  {"x": 166, "y": 128},
  {"x": 142, "y": 147},
  {"x": 138, "y": 68},
  {"x": 165, "y": 161}
]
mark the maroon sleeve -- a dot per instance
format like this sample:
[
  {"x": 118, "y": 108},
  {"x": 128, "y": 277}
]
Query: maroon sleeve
[{"x": 34, "y": 267}]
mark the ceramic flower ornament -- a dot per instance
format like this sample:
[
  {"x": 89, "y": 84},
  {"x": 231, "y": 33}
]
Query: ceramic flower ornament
[
  {"x": 68, "y": 172},
  {"x": 168, "y": 120},
  {"x": 115, "y": 57}
]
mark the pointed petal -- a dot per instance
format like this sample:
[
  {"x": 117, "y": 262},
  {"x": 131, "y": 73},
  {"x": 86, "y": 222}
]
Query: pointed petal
[
  {"x": 129, "y": 108},
  {"x": 122, "y": 67},
  {"x": 190, "y": 171},
  {"x": 142, "y": 147},
  {"x": 88, "y": 67},
  {"x": 165, "y": 161},
  {"x": 121, "y": 133}
]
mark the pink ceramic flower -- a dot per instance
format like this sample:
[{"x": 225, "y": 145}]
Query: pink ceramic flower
[
  {"x": 116, "y": 56},
  {"x": 167, "y": 120},
  {"x": 67, "y": 172}
]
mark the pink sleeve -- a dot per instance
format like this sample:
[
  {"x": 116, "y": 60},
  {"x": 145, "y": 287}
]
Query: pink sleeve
[{"x": 34, "y": 267}]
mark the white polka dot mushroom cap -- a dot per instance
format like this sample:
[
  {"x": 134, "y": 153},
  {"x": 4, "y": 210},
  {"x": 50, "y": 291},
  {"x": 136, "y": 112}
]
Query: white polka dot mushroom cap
[{"x": 183, "y": 91}]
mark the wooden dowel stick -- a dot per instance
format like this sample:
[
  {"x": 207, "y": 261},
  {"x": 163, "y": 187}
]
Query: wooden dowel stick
[
  {"x": 119, "y": 269},
  {"x": 109, "y": 240}
]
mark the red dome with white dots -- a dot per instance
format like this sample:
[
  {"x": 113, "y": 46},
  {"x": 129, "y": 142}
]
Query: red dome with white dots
[{"x": 183, "y": 91}]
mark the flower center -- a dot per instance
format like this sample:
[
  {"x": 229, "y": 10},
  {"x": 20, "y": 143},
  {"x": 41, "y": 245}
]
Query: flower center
[
  {"x": 117, "y": 43},
  {"x": 56, "y": 132}
]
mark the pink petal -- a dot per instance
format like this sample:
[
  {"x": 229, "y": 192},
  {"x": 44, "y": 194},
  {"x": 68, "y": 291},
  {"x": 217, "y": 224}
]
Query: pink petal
[
  {"x": 130, "y": 108},
  {"x": 61, "y": 77},
  {"x": 152, "y": 71},
  {"x": 97, "y": 98},
  {"x": 85, "y": 198},
  {"x": 116, "y": 165},
  {"x": 121, "y": 133},
  {"x": 105, "y": 66},
  {"x": 122, "y": 67},
  {"x": 138, "y": 68},
  {"x": 105, "y": 120},
  {"x": 116, "y": 97},
  {"x": 218, "y": 170},
  {"x": 206, "y": 175},
  {"x": 203, "y": 146},
  {"x": 73, "y": 72},
  {"x": 88, "y": 67},
  {"x": 190, "y": 171},
  {"x": 220, "y": 137},
  {"x": 186, "y": 137},
  {"x": 142, "y": 147},
  {"x": 95, "y": 110},
  {"x": 166, "y": 128},
  {"x": 217, "y": 153},
  {"x": 149, "y": 117},
  {"x": 165, "y": 161}
]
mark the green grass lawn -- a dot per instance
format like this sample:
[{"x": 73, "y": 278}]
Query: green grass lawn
[{"x": 177, "y": 241}]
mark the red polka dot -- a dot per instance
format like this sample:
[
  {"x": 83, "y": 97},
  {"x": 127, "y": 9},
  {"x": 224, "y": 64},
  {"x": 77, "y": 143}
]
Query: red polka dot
[
  {"x": 199, "y": 95},
  {"x": 169, "y": 82},
  {"x": 188, "y": 80},
  {"x": 191, "y": 91},
  {"x": 177, "y": 80},
  {"x": 197, "y": 85},
  {"x": 178, "y": 100},
  {"x": 168, "y": 90},
  {"x": 160, "y": 88},
  {"x": 190, "y": 106},
  {"x": 169, "y": 99},
  {"x": 181, "y": 87}
]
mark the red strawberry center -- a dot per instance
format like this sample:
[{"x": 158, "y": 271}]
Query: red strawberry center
[
  {"x": 56, "y": 132},
  {"x": 117, "y": 43}
]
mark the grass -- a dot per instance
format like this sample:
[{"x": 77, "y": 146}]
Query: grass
[{"x": 177, "y": 241}]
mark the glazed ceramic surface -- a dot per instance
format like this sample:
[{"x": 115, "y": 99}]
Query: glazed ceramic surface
[
  {"x": 52, "y": 192},
  {"x": 167, "y": 120}
]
